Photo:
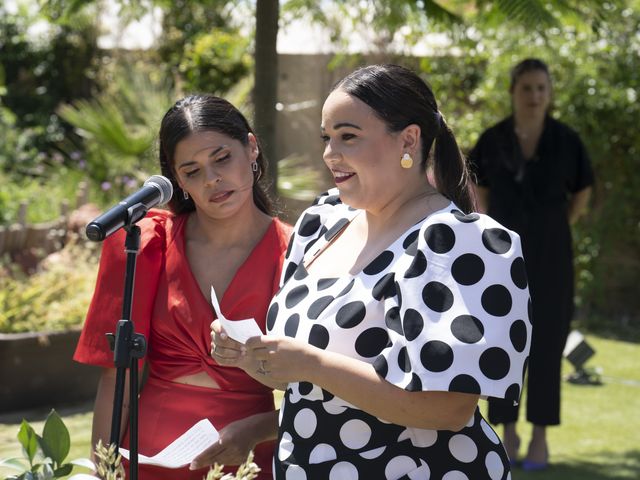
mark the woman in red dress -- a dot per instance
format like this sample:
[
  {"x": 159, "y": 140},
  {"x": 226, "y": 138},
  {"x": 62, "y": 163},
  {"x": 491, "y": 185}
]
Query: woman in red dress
[{"x": 219, "y": 233}]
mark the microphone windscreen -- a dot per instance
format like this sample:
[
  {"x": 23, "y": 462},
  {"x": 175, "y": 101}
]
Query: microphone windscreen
[{"x": 164, "y": 185}]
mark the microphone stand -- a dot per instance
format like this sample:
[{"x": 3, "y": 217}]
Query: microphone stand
[{"x": 128, "y": 347}]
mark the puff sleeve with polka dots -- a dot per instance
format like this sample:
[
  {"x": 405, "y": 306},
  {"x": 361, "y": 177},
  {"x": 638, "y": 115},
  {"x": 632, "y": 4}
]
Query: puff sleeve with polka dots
[{"x": 460, "y": 319}]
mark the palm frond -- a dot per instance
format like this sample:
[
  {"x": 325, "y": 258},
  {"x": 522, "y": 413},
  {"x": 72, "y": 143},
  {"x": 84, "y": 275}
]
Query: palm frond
[
  {"x": 540, "y": 14},
  {"x": 531, "y": 14},
  {"x": 104, "y": 123},
  {"x": 124, "y": 119},
  {"x": 439, "y": 14}
]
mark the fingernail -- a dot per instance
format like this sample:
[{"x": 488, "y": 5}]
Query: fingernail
[
  {"x": 223, "y": 335},
  {"x": 192, "y": 466}
]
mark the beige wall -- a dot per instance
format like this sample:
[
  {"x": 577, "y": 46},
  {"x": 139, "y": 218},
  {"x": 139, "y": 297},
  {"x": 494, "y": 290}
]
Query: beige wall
[
  {"x": 305, "y": 81},
  {"x": 303, "y": 85}
]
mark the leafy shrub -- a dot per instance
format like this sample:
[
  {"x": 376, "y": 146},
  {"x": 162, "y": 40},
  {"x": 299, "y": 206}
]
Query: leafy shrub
[
  {"x": 38, "y": 73},
  {"x": 215, "y": 62},
  {"x": 17, "y": 145},
  {"x": 55, "y": 298},
  {"x": 61, "y": 187},
  {"x": 201, "y": 47}
]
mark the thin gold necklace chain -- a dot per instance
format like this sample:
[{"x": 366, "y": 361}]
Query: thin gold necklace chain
[
  {"x": 329, "y": 240},
  {"x": 334, "y": 235}
]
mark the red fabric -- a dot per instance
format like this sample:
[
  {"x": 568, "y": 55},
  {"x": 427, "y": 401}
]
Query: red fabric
[
  {"x": 106, "y": 305},
  {"x": 169, "y": 409},
  {"x": 170, "y": 310}
]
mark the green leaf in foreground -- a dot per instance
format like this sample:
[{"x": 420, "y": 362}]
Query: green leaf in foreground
[
  {"x": 28, "y": 440},
  {"x": 55, "y": 438}
]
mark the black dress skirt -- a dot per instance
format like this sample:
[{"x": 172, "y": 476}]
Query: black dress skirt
[{"x": 530, "y": 196}]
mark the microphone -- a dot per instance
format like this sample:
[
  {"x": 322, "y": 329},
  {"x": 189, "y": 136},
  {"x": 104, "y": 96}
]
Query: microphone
[{"x": 157, "y": 190}]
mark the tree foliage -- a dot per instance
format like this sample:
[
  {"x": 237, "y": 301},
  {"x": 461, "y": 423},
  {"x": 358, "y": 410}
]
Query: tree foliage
[
  {"x": 391, "y": 25},
  {"x": 38, "y": 73},
  {"x": 202, "y": 45}
]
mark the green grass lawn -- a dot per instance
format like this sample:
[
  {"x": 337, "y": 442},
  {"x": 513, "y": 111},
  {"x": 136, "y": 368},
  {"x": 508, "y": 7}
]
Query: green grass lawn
[
  {"x": 598, "y": 439},
  {"x": 600, "y": 433}
]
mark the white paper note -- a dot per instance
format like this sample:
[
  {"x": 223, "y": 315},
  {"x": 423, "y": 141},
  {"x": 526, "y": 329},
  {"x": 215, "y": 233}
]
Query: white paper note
[
  {"x": 239, "y": 330},
  {"x": 184, "y": 449}
]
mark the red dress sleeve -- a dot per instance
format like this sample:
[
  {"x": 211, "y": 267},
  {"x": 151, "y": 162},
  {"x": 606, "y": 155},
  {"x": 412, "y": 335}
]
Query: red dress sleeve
[{"x": 105, "y": 308}]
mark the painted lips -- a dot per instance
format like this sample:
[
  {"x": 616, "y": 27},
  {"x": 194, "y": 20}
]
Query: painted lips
[
  {"x": 220, "y": 197},
  {"x": 340, "y": 177}
]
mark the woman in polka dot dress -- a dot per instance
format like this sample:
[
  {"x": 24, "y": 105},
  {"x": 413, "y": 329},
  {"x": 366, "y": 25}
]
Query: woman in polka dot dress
[{"x": 398, "y": 309}]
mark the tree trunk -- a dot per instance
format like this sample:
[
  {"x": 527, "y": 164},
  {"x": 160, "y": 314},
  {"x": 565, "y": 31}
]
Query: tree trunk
[{"x": 266, "y": 82}]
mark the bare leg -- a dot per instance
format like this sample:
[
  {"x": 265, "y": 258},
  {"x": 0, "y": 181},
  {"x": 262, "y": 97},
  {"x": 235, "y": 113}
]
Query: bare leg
[
  {"x": 511, "y": 441},
  {"x": 538, "y": 450}
]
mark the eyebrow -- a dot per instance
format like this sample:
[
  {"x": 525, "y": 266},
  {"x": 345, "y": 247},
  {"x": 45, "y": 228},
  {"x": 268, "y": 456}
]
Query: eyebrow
[
  {"x": 217, "y": 150},
  {"x": 341, "y": 125},
  {"x": 214, "y": 152}
]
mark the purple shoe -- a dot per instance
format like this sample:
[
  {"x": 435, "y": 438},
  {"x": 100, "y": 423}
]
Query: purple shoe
[{"x": 529, "y": 466}]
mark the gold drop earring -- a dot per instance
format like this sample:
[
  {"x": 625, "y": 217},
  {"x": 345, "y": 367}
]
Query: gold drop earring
[{"x": 406, "y": 161}]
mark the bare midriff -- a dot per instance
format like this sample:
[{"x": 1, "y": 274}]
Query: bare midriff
[{"x": 200, "y": 379}]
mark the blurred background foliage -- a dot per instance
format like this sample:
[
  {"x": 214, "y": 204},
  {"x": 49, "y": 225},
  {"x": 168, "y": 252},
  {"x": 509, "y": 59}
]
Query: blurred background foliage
[
  {"x": 54, "y": 298},
  {"x": 71, "y": 111},
  {"x": 119, "y": 125},
  {"x": 38, "y": 73}
]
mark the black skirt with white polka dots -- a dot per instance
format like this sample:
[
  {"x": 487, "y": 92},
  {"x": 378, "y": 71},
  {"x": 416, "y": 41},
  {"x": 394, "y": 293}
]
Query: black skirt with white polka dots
[{"x": 342, "y": 443}]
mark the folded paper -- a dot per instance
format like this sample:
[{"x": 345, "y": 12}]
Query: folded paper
[
  {"x": 239, "y": 330},
  {"x": 184, "y": 449}
]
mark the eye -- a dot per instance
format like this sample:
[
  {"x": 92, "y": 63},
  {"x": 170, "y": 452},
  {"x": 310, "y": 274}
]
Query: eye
[
  {"x": 325, "y": 138},
  {"x": 347, "y": 136},
  {"x": 223, "y": 159},
  {"x": 191, "y": 173}
]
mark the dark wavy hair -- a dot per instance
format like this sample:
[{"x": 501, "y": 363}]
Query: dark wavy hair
[
  {"x": 199, "y": 113},
  {"x": 400, "y": 98},
  {"x": 525, "y": 66}
]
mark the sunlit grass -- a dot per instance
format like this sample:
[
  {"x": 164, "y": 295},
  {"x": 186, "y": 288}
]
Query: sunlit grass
[{"x": 599, "y": 437}]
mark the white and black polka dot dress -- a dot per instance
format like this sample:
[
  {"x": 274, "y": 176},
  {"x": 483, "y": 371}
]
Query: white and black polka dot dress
[{"x": 444, "y": 308}]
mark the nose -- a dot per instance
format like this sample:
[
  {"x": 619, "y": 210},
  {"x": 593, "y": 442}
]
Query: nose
[
  {"x": 330, "y": 153},
  {"x": 212, "y": 175}
]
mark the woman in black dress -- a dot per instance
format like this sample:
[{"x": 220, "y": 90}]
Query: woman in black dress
[{"x": 534, "y": 177}]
